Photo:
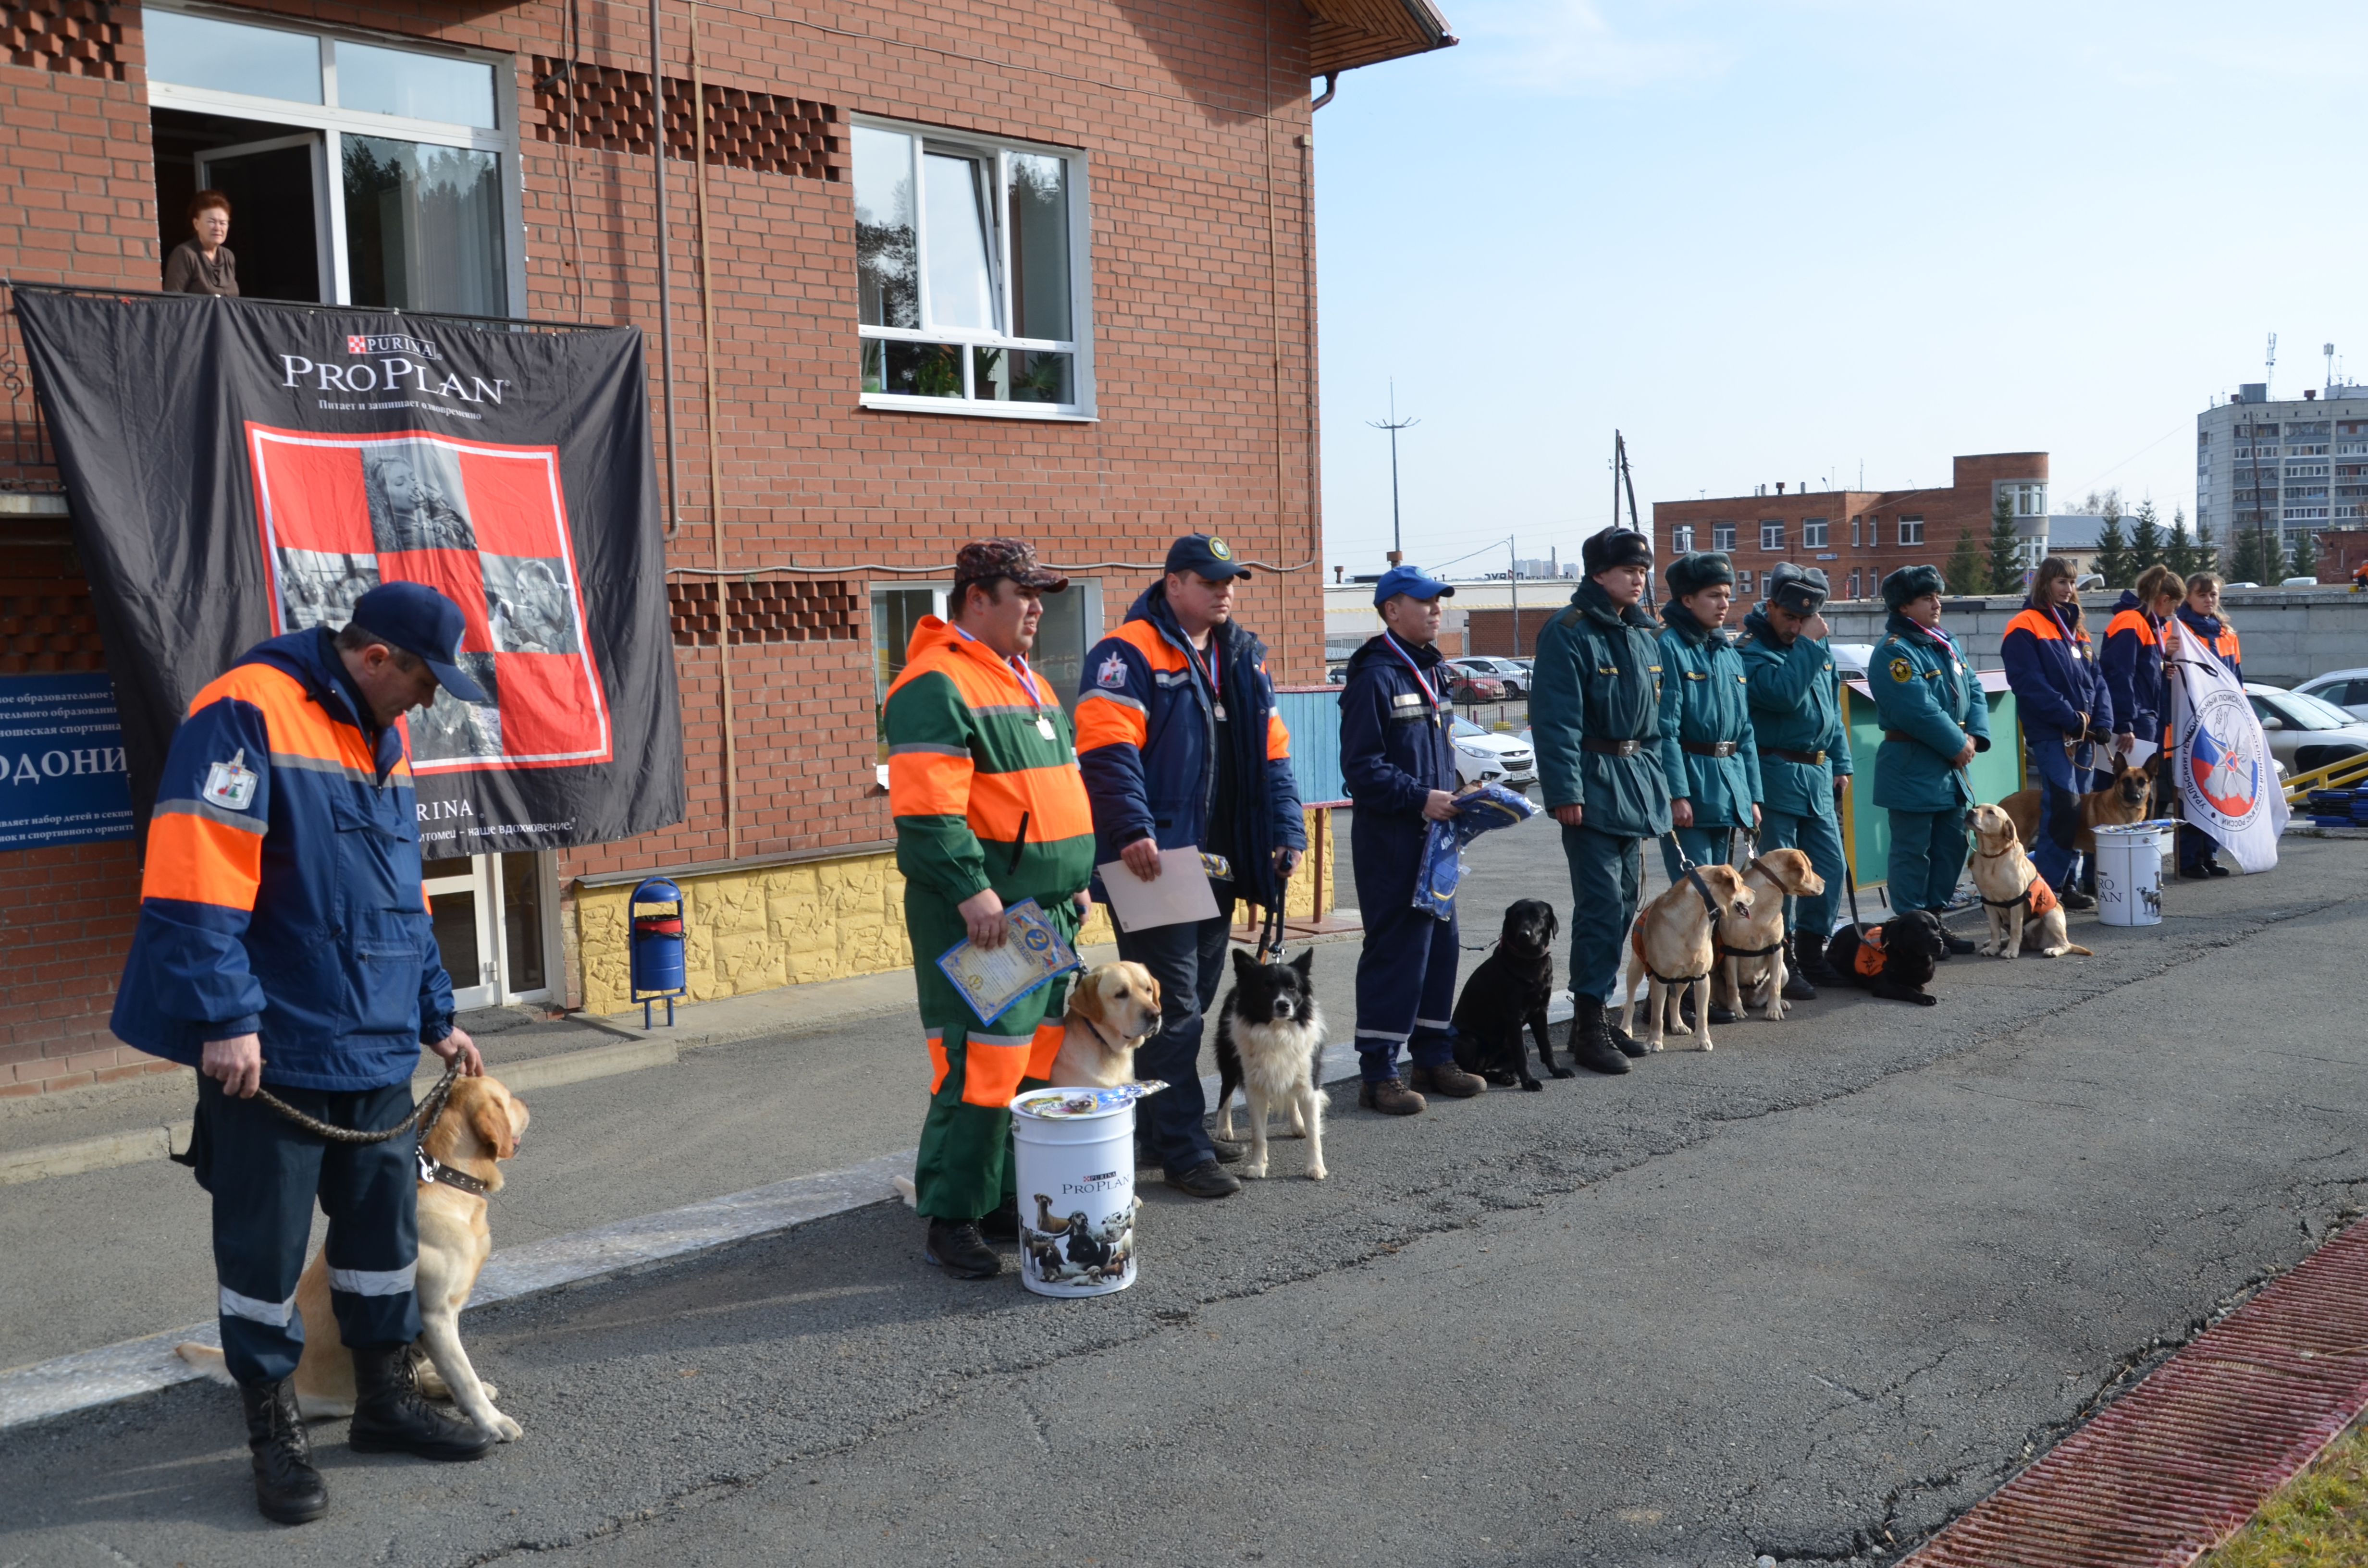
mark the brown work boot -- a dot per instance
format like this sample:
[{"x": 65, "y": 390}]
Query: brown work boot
[
  {"x": 1391, "y": 1097},
  {"x": 1447, "y": 1079}
]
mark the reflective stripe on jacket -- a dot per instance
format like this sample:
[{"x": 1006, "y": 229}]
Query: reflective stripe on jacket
[
  {"x": 282, "y": 894},
  {"x": 983, "y": 776},
  {"x": 1146, "y": 726},
  {"x": 1397, "y": 744}
]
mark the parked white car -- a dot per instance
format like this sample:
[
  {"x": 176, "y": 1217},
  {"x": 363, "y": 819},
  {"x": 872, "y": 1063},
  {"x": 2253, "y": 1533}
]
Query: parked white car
[
  {"x": 1484, "y": 756},
  {"x": 2348, "y": 689},
  {"x": 2306, "y": 731}
]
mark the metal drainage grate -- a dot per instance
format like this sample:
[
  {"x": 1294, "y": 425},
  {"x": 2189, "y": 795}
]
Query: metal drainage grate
[{"x": 2182, "y": 1461}]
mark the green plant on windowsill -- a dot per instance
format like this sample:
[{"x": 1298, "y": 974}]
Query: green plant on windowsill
[
  {"x": 1040, "y": 382},
  {"x": 938, "y": 372}
]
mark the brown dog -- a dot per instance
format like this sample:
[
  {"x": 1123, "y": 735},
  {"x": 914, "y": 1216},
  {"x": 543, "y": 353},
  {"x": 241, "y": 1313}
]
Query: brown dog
[
  {"x": 480, "y": 1127},
  {"x": 1751, "y": 945},
  {"x": 2118, "y": 804},
  {"x": 1675, "y": 945},
  {"x": 2023, "y": 910},
  {"x": 1114, "y": 1009}
]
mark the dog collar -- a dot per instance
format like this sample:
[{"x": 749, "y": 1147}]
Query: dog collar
[
  {"x": 437, "y": 1170},
  {"x": 1749, "y": 952}
]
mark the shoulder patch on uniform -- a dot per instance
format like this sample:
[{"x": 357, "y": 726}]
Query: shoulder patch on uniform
[
  {"x": 1902, "y": 670},
  {"x": 1112, "y": 672},
  {"x": 230, "y": 785},
  {"x": 1406, "y": 700}
]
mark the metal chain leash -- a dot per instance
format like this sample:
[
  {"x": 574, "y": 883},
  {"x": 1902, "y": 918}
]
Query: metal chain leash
[{"x": 423, "y": 1115}]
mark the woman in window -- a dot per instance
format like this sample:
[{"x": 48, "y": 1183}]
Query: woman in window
[{"x": 203, "y": 263}]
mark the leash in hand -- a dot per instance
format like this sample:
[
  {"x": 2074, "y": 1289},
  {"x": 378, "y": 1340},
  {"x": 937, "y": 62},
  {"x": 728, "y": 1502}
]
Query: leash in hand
[{"x": 425, "y": 1115}]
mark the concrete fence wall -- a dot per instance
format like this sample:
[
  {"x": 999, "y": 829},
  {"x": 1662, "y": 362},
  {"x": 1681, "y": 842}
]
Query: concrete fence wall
[{"x": 2289, "y": 634}]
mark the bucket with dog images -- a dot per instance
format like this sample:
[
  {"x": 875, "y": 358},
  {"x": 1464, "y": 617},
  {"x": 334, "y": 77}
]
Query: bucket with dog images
[
  {"x": 2129, "y": 875},
  {"x": 1075, "y": 1164}
]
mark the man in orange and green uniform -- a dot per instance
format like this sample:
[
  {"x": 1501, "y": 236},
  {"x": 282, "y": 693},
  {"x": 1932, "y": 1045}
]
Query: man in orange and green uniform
[{"x": 990, "y": 811}]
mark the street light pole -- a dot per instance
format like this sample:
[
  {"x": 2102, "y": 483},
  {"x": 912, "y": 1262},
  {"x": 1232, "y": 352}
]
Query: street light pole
[{"x": 1394, "y": 424}]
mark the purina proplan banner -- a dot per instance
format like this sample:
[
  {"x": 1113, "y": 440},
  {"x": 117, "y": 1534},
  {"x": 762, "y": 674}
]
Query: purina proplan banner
[{"x": 238, "y": 469}]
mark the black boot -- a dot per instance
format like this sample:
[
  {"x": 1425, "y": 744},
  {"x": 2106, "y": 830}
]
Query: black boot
[
  {"x": 1798, "y": 984},
  {"x": 1622, "y": 1040},
  {"x": 1590, "y": 1045},
  {"x": 288, "y": 1490},
  {"x": 391, "y": 1418},
  {"x": 956, "y": 1246}
]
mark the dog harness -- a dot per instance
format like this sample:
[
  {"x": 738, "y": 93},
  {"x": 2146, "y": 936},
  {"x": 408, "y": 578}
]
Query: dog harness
[
  {"x": 1870, "y": 958},
  {"x": 2038, "y": 895},
  {"x": 1636, "y": 944}
]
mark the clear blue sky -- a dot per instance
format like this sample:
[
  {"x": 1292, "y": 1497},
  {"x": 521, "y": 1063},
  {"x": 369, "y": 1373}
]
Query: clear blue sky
[{"x": 1774, "y": 241}]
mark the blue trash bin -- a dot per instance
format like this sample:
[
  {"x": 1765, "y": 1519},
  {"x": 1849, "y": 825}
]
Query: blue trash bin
[{"x": 656, "y": 948}]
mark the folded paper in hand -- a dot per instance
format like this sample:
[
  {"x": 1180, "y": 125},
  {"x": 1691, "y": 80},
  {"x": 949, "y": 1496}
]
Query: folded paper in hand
[{"x": 1033, "y": 953}]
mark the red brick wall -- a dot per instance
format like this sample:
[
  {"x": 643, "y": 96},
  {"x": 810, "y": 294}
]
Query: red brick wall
[
  {"x": 1947, "y": 511},
  {"x": 1191, "y": 118}
]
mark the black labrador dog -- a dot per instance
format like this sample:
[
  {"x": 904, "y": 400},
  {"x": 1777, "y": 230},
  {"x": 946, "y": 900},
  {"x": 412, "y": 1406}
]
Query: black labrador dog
[
  {"x": 1896, "y": 959},
  {"x": 1509, "y": 989}
]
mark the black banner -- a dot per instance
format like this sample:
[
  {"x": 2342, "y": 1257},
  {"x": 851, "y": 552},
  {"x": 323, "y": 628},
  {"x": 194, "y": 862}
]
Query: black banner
[{"x": 238, "y": 469}]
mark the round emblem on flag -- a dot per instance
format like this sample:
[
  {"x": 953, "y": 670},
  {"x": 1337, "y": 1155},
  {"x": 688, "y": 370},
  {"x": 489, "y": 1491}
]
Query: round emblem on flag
[
  {"x": 2221, "y": 756},
  {"x": 1220, "y": 549}
]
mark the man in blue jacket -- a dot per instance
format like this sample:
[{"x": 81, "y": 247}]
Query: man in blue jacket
[
  {"x": 1935, "y": 718},
  {"x": 1397, "y": 762},
  {"x": 284, "y": 943},
  {"x": 2067, "y": 714},
  {"x": 1181, "y": 747}
]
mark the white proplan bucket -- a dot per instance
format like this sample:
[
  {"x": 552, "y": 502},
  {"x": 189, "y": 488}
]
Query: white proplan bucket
[
  {"x": 1075, "y": 1152},
  {"x": 2129, "y": 875}
]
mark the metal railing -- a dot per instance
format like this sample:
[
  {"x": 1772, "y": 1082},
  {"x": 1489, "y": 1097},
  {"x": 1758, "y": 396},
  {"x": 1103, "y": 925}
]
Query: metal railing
[{"x": 2336, "y": 775}]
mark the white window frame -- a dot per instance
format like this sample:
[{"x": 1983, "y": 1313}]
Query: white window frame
[
  {"x": 1771, "y": 533},
  {"x": 333, "y": 124},
  {"x": 1815, "y": 532},
  {"x": 1911, "y": 531},
  {"x": 1722, "y": 537},
  {"x": 1681, "y": 539},
  {"x": 1079, "y": 347}
]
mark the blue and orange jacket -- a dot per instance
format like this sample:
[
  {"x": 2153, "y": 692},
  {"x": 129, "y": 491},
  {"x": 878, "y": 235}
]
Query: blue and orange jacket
[
  {"x": 282, "y": 895},
  {"x": 2053, "y": 670},
  {"x": 2219, "y": 636},
  {"x": 2133, "y": 667},
  {"x": 1146, "y": 730}
]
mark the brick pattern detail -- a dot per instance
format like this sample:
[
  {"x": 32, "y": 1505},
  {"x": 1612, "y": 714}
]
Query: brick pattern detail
[
  {"x": 761, "y": 131},
  {"x": 802, "y": 611},
  {"x": 81, "y": 37},
  {"x": 47, "y": 628}
]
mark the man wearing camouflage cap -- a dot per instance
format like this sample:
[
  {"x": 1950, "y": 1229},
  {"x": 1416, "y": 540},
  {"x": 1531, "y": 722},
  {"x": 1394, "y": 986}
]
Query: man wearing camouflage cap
[
  {"x": 990, "y": 811},
  {"x": 1805, "y": 760}
]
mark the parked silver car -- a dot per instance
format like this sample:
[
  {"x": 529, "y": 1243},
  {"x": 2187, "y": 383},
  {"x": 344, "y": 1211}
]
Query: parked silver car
[
  {"x": 2348, "y": 689},
  {"x": 2306, "y": 731}
]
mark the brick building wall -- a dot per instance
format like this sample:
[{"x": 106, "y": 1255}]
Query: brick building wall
[
  {"x": 1875, "y": 552},
  {"x": 1194, "y": 120}
]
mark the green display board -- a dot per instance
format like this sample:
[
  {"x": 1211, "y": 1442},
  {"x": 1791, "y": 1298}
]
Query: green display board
[{"x": 1997, "y": 773}]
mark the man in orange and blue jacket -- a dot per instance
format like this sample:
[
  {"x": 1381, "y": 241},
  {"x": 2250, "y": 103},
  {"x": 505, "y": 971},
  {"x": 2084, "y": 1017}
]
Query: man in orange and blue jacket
[
  {"x": 1181, "y": 747},
  {"x": 284, "y": 941}
]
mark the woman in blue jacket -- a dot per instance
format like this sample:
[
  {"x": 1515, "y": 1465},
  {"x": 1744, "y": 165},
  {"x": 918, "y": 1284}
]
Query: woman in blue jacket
[
  {"x": 2201, "y": 614},
  {"x": 2060, "y": 695}
]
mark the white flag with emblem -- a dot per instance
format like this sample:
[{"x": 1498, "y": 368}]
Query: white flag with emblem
[{"x": 2227, "y": 780}]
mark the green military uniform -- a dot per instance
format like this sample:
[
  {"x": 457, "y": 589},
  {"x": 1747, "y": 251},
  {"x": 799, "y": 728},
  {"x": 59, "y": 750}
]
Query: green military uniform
[
  {"x": 984, "y": 786},
  {"x": 1595, "y": 715},
  {"x": 1704, "y": 712},
  {"x": 1930, "y": 703},
  {"x": 1796, "y": 715}
]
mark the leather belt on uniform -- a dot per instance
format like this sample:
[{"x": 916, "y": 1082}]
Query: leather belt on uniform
[
  {"x": 1711, "y": 748},
  {"x": 1611, "y": 748},
  {"x": 1903, "y": 737},
  {"x": 1811, "y": 758}
]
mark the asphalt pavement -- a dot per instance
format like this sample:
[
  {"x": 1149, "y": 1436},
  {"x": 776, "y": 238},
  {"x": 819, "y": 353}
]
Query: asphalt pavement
[{"x": 1805, "y": 1296}]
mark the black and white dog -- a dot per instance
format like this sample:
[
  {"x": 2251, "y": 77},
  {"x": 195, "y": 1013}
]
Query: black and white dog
[
  {"x": 1510, "y": 988},
  {"x": 1270, "y": 1044}
]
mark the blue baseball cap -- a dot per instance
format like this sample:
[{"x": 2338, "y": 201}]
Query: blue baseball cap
[
  {"x": 1411, "y": 581},
  {"x": 423, "y": 622},
  {"x": 1207, "y": 554}
]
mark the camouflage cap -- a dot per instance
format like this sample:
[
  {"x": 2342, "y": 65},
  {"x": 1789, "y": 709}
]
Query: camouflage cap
[{"x": 984, "y": 560}]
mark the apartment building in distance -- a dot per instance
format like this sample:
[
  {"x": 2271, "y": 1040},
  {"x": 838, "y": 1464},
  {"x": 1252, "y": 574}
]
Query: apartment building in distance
[
  {"x": 1856, "y": 536},
  {"x": 2294, "y": 466}
]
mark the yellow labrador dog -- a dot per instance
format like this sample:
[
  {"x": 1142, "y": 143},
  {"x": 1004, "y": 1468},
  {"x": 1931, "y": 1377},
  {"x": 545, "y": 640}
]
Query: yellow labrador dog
[
  {"x": 2025, "y": 915},
  {"x": 1114, "y": 1009},
  {"x": 1751, "y": 945},
  {"x": 480, "y": 1127},
  {"x": 1675, "y": 943}
]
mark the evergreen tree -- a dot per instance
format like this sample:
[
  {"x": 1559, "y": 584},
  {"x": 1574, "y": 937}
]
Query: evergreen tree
[
  {"x": 1968, "y": 568},
  {"x": 2256, "y": 557},
  {"x": 2207, "y": 553},
  {"x": 2114, "y": 562},
  {"x": 2305, "y": 556},
  {"x": 2006, "y": 548},
  {"x": 2145, "y": 537},
  {"x": 2179, "y": 553}
]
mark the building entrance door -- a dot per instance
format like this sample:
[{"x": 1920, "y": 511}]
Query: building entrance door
[
  {"x": 491, "y": 919},
  {"x": 277, "y": 189}
]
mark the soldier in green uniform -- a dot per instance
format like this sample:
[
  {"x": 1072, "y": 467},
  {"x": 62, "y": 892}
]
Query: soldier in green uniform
[
  {"x": 1805, "y": 760},
  {"x": 1707, "y": 750},
  {"x": 1595, "y": 713},
  {"x": 1934, "y": 720}
]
